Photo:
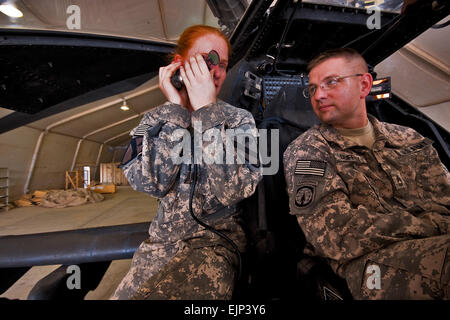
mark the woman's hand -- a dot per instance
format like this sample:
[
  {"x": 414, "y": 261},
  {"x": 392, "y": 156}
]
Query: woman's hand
[
  {"x": 199, "y": 82},
  {"x": 167, "y": 88}
]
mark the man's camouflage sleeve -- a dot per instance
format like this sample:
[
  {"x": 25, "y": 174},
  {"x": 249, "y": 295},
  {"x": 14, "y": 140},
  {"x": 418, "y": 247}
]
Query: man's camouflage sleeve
[
  {"x": 333, "y": 224},
  {"x": 232, "y": 181},
  {"x": 152, "y": 171},
  {"x": 434, "y": 179}
]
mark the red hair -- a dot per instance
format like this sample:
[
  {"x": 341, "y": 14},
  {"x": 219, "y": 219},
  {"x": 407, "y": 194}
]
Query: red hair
[{"x": 192, "y": 33}]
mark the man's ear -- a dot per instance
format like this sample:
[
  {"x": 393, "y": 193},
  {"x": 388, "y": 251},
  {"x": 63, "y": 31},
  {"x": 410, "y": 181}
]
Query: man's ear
[{"x": 366, "y": 84}]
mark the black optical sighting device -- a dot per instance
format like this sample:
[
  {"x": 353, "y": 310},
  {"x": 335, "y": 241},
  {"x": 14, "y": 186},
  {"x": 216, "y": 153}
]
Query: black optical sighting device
[{"x": 211, "y": 59}]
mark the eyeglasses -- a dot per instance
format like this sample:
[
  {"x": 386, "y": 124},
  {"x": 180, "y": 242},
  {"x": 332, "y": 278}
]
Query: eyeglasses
[{"x": 326, "y": 84}]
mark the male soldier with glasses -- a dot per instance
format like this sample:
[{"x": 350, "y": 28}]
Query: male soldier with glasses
[{"x": 372, "y": 198}]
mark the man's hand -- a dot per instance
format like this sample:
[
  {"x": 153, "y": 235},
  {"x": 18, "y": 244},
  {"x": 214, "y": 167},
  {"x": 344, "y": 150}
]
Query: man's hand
[
  {"x": 199, "y": 82},
  {"x": 167, "y": 88}
]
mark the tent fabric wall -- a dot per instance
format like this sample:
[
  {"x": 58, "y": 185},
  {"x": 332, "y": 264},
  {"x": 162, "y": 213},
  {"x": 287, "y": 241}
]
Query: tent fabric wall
[
  {"x": 106, "y": 156},
  {"x": 53, "y": 160},
  {"x": 88, "y": 153},
  {"x": 16, "y": 150}
]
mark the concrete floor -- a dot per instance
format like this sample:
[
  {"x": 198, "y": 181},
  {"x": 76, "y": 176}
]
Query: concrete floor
[{"x": 123, "y": 207}]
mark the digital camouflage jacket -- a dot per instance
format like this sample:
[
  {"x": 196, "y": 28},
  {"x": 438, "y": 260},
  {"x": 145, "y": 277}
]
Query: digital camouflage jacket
[
  {"x": 350, "y": 200},
  {"x": 220, "y": 186}
]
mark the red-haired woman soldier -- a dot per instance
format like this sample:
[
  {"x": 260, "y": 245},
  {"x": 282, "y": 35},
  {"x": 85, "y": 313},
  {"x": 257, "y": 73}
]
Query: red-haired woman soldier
[{"x": 183, "y": 259}]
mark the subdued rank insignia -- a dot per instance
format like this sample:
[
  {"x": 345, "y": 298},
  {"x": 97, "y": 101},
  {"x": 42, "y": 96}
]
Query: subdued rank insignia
[
  {"x": 413, "y": 148},
  {"x": 141, "y": 129},
  {"x": 310, "y": 167},
  {"x": 304, "y": 196}
]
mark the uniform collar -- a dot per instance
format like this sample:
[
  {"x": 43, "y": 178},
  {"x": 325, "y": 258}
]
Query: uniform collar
[{"x": 382, "y": 136}]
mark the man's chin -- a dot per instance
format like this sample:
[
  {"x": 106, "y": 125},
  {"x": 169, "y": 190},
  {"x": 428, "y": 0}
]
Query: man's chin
[{"x": 326, "y": 118}]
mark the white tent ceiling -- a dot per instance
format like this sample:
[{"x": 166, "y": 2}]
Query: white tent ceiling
[{"x": 149, "y": 19}]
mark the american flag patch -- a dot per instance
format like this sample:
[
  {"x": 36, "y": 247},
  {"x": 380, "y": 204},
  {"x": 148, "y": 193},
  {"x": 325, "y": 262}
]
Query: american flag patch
[{"x": 311, "y": 167}]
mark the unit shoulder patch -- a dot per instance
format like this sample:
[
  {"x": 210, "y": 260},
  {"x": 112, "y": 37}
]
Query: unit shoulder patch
[{"x": 304, "y": 196}]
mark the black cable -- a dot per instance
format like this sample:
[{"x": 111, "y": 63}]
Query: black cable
[
  {"x": 208, "y": 227},
  {"x": 442, "y": 25},
  {"x": 394, "y": 21}
]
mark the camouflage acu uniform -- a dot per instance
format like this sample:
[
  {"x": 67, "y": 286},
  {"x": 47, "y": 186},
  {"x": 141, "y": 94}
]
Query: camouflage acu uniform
[
  {"x": 380, "y": 216},
  {"x": 182, "y": 260}
]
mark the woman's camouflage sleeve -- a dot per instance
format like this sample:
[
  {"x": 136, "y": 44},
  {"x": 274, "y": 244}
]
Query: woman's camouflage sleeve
[
  {"x": 153, "y": 170},
  {"x": 229, "y": 181},
  {"x": 334, "y": 225}
]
